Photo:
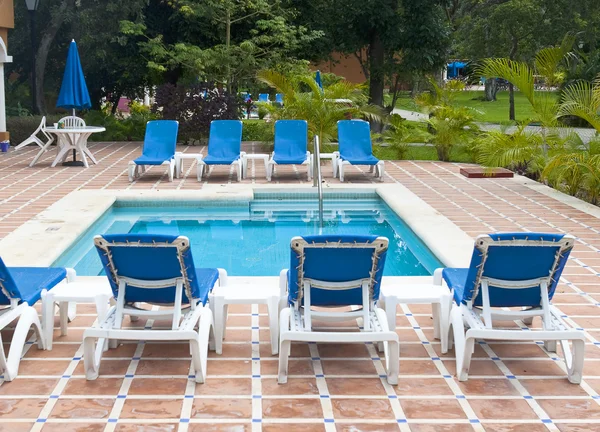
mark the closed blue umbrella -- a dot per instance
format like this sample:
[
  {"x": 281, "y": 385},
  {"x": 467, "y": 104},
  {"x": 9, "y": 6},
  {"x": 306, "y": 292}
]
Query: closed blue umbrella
[
  {"x": 73, "y": 91},
  {"x": 318, "y": 79}
]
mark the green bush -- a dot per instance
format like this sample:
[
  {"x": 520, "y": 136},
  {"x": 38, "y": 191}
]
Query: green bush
[
  {"x": 131, "y": 128},
  {"x": 20, "y": 128},
  {"x": 257, "y": 130}
]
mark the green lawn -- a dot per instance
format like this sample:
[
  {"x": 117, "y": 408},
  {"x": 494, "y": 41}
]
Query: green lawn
[
  {"x": 492, "y": 112},
  {"x": 422, "y": 153}
]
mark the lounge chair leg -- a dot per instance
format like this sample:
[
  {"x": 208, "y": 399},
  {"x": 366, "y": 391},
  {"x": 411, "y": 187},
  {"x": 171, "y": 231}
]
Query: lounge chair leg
[
  {"x": 393, "y": 361},
  {"x": 459, "y": 342},
  {"x": 199, "y": 346},
  {"x": 171, "y": 171},
  {"x": 371, "y": 168},
  {"x": 341, "y": 171},
  {"x": 285, "y": 345},
  {"x": 574, "y": 360},
  {"x": 72, "y": 311},
  {"x": 240, "y": 169},
  {"x": 273, "y": 307},
  {"x": 28, "y": 318},
  {"x": 91, "y": 358},
  {"x": 131, "y": 169},
  {"x": 436, "y": 315}
]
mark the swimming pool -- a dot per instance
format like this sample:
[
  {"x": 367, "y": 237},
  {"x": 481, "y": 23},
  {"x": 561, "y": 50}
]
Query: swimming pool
[{"x": 253, "y": 238}]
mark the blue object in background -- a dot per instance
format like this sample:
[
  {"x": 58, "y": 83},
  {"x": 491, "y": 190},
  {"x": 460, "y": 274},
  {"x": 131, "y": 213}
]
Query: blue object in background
[
  {"x": 263, "y": 97},
  {"x": 73, "y": 91},
  {"x": 318, "y": 79},
  {"x": 454, "y": 68},
  {"x": 279, "y": 98}
]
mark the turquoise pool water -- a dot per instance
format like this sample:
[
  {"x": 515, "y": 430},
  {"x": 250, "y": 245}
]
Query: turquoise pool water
[{"x": 253, "y": 238}]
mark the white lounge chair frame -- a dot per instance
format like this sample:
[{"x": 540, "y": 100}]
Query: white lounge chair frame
[
  {"x": 33, "y": 139},
  {"x": 27, "y": 317},
  {"x": 240, "y": 167},
  {"x": 296, "y": 321},
  {"x": 379, "y": 168},
  {"x": 308, "y": 162},
  {"x": 134, "y": 170},
  {"x": 183, "y": 321},
  {"x": 479, "y": 321}
]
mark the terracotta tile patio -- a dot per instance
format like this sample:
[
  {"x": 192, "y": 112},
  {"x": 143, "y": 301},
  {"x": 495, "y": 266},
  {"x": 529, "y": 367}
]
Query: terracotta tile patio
[{"x": 145, "y": 387}]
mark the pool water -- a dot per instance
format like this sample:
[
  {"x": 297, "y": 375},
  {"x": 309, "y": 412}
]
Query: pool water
[{"x": 253, "y": 239}]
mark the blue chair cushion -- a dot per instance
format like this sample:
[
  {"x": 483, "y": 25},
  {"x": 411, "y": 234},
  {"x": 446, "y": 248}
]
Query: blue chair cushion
[
  {"x": 282, "y": 160},
  {"x": 32, "y": 280},
  {"x": 367, "y": 160},
  {"x": 291, "y": 142},
  {"x": 145, "y": 160},
  {"x": 215, "y": 160}
]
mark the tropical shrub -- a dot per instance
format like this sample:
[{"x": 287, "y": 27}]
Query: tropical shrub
[
  {"x": 195, "y": 106},
  {"x": 519, "y": 151},
  {"x": 576, "y": 169},
  {"x": 321, "y": 108},
  {"x": 257, "y": 130},
  {"x": 399, "y": 134},
  {"x": 452, "y": 126}
]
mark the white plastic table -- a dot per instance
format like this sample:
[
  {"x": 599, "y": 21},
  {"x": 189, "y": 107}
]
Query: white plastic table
[
  {"x": 256, "y": 156},
  {"x": 245, "y": 293},
  {"x": 74, "y": 139},
  {"x": 438, "y": 296},
  {"x": 180, "y": 156},
  {"x": 94, "y": 291}
]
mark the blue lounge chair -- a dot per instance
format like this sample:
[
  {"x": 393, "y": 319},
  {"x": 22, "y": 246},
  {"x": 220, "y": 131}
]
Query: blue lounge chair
[
  {"x": 512, "y": 270},
  {"x": 279, "y": 98},
  {"x": 291, "y": 146},
  {"x": 355, "y": 148},
  {"x": 333, "y": 272},
  {"x": 263, "y": 97},
  {"x": 159, "y": 148},
  {"x": 224, "y": 147},
  {"x": 159, "y": 270},
  {"x": 20, "y": 289}
]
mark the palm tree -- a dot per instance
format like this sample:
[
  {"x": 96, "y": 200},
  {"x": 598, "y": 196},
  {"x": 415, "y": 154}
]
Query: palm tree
[
  {"x": 321, "y": 108},
  {"x": 576, "y": 169},
  {"x": 582, "y": 99}
]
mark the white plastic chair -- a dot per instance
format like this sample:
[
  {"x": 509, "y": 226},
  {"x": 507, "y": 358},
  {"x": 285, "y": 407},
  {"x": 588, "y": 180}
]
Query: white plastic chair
[
  {"x": 33, "y": 139},
  {"x": 72, "y": 122}
]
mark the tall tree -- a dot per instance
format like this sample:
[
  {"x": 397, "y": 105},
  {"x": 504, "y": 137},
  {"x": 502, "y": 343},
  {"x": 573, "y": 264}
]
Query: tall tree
[{"x": 387, "y": 36}]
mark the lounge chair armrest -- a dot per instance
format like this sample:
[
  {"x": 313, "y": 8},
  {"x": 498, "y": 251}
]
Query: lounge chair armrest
[{"x": 437, "y": 276}]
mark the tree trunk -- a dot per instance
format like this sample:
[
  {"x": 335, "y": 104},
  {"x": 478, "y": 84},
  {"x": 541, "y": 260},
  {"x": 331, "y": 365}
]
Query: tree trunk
[
  {"x": 44, "y": 48},
  {"x": 511, "y": 87},
  {"x": 376, "y": 60},
  {"x": 491, "y": 89},
  {"x": 511, "y": 101},
  {"x": 377, "y": 75}
]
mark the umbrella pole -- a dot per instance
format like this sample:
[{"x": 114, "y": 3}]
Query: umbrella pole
[{"x": 74, "y": 162}]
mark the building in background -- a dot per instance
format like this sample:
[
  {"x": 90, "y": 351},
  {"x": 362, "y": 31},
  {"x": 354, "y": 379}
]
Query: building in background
[{"x": 7, "y": 21}]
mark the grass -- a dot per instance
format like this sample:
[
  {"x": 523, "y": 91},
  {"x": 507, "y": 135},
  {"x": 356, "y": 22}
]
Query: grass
[
  {"x": 423, "y": 153},
  {"x": 491, "y": 112}
]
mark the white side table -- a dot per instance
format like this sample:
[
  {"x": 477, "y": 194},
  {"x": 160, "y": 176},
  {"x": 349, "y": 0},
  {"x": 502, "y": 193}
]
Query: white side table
[
  {"x": 224, "y": 295},
  {"x": 257, "y": 156},
  {"x": 334, "y": 158},
  {"x": 438, "y": 296},
  {"x": 95, "y": 291},
  {"x": 179, "y": 157}
]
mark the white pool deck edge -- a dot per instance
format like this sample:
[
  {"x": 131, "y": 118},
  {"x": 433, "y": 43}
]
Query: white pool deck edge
[{"x": 41, "y": 240}]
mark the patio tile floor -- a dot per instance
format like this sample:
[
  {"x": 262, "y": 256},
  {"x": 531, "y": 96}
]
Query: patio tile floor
[{"x": 146, "y": 387}]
